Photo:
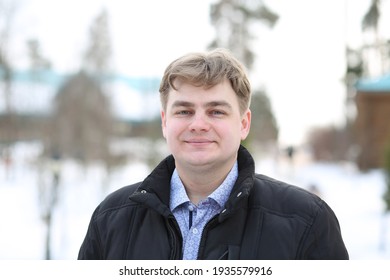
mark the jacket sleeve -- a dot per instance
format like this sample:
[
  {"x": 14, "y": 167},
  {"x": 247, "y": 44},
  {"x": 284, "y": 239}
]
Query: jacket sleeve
[
  {"x": 91, "y": 248},
  {"x": 324, "y": 240}
]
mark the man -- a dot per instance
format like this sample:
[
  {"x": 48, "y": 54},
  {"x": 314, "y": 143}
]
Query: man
[{"x": 205, "y": 201}]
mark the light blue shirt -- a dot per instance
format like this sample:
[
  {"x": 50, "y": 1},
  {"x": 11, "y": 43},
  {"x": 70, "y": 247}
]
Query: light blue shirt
[{"x": 192, "y": 224}]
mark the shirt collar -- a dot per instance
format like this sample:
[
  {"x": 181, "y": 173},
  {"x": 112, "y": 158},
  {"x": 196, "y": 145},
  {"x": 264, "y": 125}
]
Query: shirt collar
[
  {"x": 220, "y": 195},
  {"x": 178, "y": 192}
]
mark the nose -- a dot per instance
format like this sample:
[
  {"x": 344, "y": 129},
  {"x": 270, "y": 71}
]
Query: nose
[{"x": 199, "y": 122}]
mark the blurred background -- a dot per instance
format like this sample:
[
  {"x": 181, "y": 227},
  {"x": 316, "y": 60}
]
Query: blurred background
[{"x": 79, "y": 106}]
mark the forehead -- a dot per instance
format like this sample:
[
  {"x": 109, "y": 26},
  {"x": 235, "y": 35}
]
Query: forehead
[{"x": 190, "y": 93}]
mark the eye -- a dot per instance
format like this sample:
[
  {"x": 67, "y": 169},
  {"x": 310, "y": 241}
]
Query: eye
[
  {"x": 217, "y": 113},
  {"x": 183, "y": 113}
]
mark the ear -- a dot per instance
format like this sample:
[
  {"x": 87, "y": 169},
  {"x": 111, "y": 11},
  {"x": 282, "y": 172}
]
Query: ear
[
  {"x": 163, "y": 122},
  {"x": 246, "y": 124}
]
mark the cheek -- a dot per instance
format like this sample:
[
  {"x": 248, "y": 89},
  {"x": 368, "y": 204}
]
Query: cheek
[
  {"x": 228, "y": 132},
  {"x": 172, "y": 129},
  {"x": 236, "y": 133}
]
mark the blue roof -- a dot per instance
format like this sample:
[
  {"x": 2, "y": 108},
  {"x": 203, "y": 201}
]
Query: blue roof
[
  {"x": 55, "y": 79},
  {"x": 40, "y": 76},
  {"x": 381, "y": 84},
  {"x": 33, "y": 92}
]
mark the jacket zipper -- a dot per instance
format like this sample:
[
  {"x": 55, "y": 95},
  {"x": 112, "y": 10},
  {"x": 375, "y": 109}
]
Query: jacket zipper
[
  {"x": 205, "y": 230},
  {"x": 176, "y": 238}
]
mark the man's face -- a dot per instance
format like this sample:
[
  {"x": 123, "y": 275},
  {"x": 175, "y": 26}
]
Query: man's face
[{"x": 204, "y": 127}]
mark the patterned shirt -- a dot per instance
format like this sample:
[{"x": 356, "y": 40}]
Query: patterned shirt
[{"x": 193, "y": 218}]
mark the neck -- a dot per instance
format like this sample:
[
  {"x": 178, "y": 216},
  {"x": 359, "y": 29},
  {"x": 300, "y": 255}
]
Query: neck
[{"x": 200, "y": 184}]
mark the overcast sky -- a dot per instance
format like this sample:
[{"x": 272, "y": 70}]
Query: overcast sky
[{"x": 300, "y": 61}]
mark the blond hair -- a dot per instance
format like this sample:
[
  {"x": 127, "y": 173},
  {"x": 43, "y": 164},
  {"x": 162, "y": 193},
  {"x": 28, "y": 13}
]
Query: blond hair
[{"x": 207, "y": 70}]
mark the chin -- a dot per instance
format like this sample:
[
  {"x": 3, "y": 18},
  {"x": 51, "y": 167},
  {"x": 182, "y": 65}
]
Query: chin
[{"x": 198, "y": 160}]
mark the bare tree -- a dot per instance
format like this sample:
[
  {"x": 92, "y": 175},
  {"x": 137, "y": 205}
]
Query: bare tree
[
  {"x": 49, "y": 179},
  {"x": 38, "y": 65},
  {"x": 82, "y": 120},
  {"x": 82, "y": 115},
  {"x": 371, "y": 17},
  {"x": 330, "y": 143},
  {"x": 10, "y": 128},
  {"x": 386, "y": 197},
  {"x": 98, "y": 52},
  {"x": 7, "y": 12},
  {"x": 233, "y": 21},
  {"x": 376, "y": 49},
  {"x": 264, "y": 129},
  {"x": 49, "y": 166},
  {"x": 37, "y": 59}
]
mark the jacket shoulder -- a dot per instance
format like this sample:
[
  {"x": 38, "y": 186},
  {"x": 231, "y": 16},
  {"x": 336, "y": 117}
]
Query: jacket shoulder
[
  {"x": 300, "y": 213},
  {"x": 117, "y": 199},
  {"x": 285, "y": 199}
]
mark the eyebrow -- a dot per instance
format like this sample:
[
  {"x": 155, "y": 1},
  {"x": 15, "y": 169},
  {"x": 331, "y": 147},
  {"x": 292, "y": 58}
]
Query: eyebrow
[
  {"x": 180, "y": 103},
  {"x": 222, "y": 103}
]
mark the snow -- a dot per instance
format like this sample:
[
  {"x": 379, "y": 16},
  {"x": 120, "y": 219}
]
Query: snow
[{"x": 355, "y": 197}]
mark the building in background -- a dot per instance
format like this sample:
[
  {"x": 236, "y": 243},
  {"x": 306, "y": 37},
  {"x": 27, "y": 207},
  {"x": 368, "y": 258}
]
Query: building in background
[
  {"x": 133, "y": 99},
  {"x": 372, "y": 121}
]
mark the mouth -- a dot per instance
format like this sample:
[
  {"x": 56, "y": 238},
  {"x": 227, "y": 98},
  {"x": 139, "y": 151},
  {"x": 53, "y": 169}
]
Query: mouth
[{"x": 199, "y": 142}]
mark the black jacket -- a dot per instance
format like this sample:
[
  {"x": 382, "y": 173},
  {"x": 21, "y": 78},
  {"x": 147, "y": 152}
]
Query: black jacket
[{"x": 263, "y": 219}]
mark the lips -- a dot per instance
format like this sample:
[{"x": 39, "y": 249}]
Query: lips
[{"x": 199, "y": 142}]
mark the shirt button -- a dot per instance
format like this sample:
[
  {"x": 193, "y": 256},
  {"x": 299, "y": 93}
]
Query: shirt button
[{"x": 194, "y": 231}]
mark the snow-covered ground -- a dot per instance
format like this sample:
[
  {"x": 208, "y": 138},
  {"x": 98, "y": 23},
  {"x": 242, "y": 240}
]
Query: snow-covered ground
[{"x": 355, "y": 197}]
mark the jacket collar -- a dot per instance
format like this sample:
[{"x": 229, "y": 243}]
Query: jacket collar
[
  {"x": 242, "y": 188},
  {"x": 154, "y": 191}
]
